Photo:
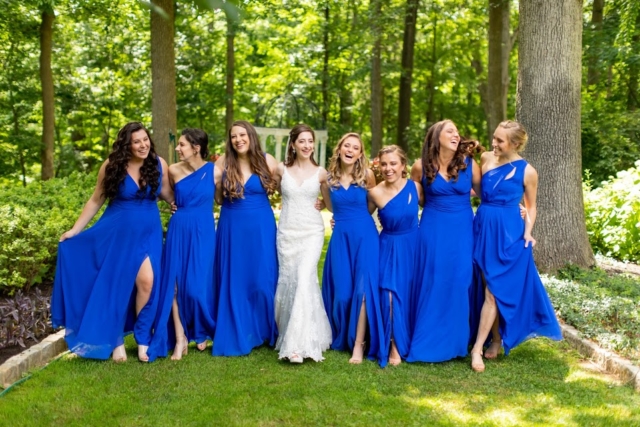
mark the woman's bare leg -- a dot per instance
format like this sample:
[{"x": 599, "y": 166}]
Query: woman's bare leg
[{"x": 361, "y": 329}]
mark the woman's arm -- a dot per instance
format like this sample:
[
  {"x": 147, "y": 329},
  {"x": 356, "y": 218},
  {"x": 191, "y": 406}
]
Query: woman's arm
[
  {"x": 218, "y": 172},
  {"x": 371, "y": 184},
  {"x": 530, "y": 195},
  {"x": 420, "y": 192},
  {"x": 416, "y": 171},
  {"x": 166, "y": 193},
  {"x": 476, "y": 179},
  {"x": 324, "y": 189},
  {"x": 90, "y": 209}
]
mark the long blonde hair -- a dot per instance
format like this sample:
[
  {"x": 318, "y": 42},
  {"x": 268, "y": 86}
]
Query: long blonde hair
[{"x": 359, "y": 173}]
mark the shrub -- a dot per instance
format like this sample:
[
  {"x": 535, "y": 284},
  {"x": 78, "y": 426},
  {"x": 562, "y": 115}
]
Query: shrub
[
  {"x": 24, "y": 318},
  {"x": 613, "y": 215}
]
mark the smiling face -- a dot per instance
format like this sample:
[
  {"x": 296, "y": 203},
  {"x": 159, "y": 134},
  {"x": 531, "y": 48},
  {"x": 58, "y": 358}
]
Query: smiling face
[
  {"x": 501, "y": 144},
  {"x": 304, "y": 145},
  {"x": 350, "y": 150},
  {"x": 391, "y": 166},
  {"x": 185, "y": 149},
  {"x": 449, "y": 137},
  {"x": 140, "y": 144},
  {"x": 240, "y": 140}
]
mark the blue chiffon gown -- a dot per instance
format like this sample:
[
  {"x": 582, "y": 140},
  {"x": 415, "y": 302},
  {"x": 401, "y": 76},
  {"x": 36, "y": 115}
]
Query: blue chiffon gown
[
  {"x": 398, "y": 239},
  {"x": 508, "y": 267},
  {"x": 188, "y": 264},
  {"x": 350, "y": 272},
  {"x": 443, "y": 270},
  {"x": 94, "y": 288},
  {"x": 246, "y": 268}
]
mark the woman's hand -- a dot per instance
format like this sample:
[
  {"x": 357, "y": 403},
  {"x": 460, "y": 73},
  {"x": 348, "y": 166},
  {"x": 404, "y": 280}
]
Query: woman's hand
[
  {"x": 528, "y": 238},
  {"x": 67, "y": 235},
  {"x": 523, "y": 211},
  {"x": 174, "y": 207},
  {"x": 319, "y": 205},
  {"x": 333, "y": 223}
]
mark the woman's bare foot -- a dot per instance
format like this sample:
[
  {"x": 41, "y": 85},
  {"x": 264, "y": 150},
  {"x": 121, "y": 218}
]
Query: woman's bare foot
[
  {"x": 358, "y": 353},
  {"x": 180, "y": 349},
  {"x": 202, "y": 346},
  {"x": 142, "y": 353},
  {"x": 476, "y": 362},
  {"x": 394, "y": 355},
  {"x": 119, "y": 354},
  {"x": 493, "y": 350}
]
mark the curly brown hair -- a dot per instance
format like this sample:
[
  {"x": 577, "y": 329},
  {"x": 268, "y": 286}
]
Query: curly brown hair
[
  {"x": 431, "y": 152},
  {"x": 290, "y": 155},
  {"x": 116, "y": 170},
  {"x": 233, "y": 184}
]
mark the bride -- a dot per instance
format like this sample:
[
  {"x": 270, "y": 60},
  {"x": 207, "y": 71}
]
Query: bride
[{"x": 304, "y": 330}]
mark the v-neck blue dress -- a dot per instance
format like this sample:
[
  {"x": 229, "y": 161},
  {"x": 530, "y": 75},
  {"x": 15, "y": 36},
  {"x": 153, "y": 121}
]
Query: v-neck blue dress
[
  {"x": 443, "y": 270},
  {"x": 94, "y": 289}
]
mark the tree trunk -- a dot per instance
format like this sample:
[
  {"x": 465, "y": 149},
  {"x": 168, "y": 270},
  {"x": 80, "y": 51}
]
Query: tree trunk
[
  {"x": 163, "y": 78},
  {"x": 325, "y": 67},
  {"x": 376, "y": 78},
  {"x": 231, "y": 64},
  {"x": 404, "y": 102},
  {"x": 548, "y": 105},
  {"x": 633, "y": 100},
  {"x": 498, "y": 69},
  {"x": 593, "y": 73},
  {"x": 431, "y": 83},
  {"x": 48, "y": 106}
]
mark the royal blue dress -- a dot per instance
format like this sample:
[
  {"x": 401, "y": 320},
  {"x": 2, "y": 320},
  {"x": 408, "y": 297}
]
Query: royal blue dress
[
  {"x": 94, "y": 288},
  {"x": 351, "y": 271},
  {"x": 187, "y": 265},
  {"x": 398, "y": 239},
  {"x": 508, "y": 267},
  {"x": 246, "y": 268},
  {"x": 443, "y": 270}
]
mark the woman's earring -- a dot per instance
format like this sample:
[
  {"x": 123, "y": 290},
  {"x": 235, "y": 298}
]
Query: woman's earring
[{"x": 294, "y": 151}]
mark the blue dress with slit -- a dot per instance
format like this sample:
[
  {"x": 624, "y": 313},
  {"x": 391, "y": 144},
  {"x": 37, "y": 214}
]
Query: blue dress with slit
[
  {"x": 94, "y": 288},
  {"x": 187, "y": 267},
  {"x": 443, "y": 270},
  {"x": 351, "y": 271},
  {"x": 507, "y": 266},
  {"x": 246, "y": 269},
  {"x": 398, "y": 239}
]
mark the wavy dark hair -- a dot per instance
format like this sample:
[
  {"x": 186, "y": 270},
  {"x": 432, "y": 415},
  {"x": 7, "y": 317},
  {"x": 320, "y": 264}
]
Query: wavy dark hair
[
  {"x": 198, "y": 137},
  {"x": 431, "y": 152},
  {"x": 233, "y": 184},
  {"x": 290, "y": 155},
  {"x": 116, "y": 170}
]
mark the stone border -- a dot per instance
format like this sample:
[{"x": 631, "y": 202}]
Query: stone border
[
  {"x": 607, "y": 360},
  {"x": 35, "y": 356}
]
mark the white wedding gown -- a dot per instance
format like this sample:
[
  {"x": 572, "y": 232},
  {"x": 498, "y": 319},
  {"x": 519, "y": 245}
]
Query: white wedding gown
[{"x": 303, "y": 325}]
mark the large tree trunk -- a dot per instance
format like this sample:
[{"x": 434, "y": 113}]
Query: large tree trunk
[
  {"x": 498, "y": 69},
  {"x": 325, "y": 67},
  {"x": 163, "y": 78},
  {"x": 593, "y": 73},
  {"x": 376, "y": 78},
  {"x": 48, "y": 106},
  {"x": 431, "y": 82},
  {"x": 548, "y": 105},
  {"x": 404, "y": 103},
  {"x": 633, "y": 98},
  {"x": 231, "y": 65}
]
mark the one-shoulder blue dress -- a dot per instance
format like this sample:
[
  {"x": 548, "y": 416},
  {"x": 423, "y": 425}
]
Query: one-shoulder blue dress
[
  {"x": 443, "y": 270},
  {"x": 398, "y": 239},
  {"x": 508, "y": 267},
  {"x": 187, "y": 266},
  {"x": 94, "y": 287},
  {"x": 350, "y": 272},
  {"x": 246, "y": 269}
]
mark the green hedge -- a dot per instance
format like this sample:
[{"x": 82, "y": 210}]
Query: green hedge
[{"x": 613, "y": 215}]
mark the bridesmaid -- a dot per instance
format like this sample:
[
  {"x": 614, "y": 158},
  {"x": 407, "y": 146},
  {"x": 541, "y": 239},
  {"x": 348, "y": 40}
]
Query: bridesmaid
[
  {"x": 304, "y": 330},
  {"x": 186, "y": 297},
  {"x": 107, "y": 275},
  {"x": 397, "y": 200},
  {"x": 444, "y": 264},
  {"x": 246, "y": 266},
  {"x": 504, "y": 249},
  {"x": 350, "y": 277}
]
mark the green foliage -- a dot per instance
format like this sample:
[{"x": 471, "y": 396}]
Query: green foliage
[
  {"x": 613, "y": 215},
  {"x": 611, "y": 284},
  {"x": 598, "y": 310},
  {"x": 32, "y": 219}
]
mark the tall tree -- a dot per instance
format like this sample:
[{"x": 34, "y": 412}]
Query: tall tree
[
  {"x": 163, "y": 75},
  {"x": 548, "y": 104},
  {"x": 46, "y": 79},
  {"x": 231, "y": 67},
  {"x": 376, "y": 77},
  {"x": 597, "y": 14},
  {"x": 498, "y": 69},
  {"x": 404, "y": 104}
]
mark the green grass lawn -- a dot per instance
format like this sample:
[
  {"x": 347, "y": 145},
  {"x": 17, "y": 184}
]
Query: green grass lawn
[{"x": 540, "y": 383}]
